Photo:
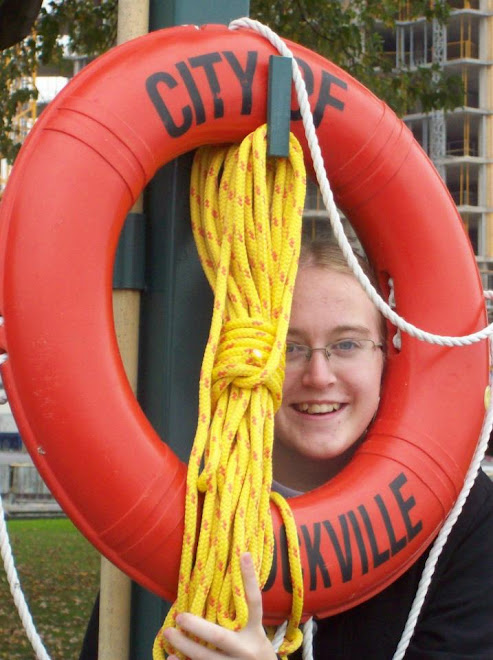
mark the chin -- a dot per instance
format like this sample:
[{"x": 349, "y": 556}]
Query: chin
[
  {"x": 326, "y": 451},
  {"x": 338, "y": 454}
]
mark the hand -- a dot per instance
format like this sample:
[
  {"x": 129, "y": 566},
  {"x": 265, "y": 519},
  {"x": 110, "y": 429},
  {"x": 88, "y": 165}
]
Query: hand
[{"x": 250, "y": 643}]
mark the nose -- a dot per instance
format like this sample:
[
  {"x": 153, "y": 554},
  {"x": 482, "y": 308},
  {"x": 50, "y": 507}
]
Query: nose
[{"x": 318, "y": 371}]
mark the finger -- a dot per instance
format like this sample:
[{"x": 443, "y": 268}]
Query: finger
[
  {"x": 190, "y": 649},
  {"x": 223, "y": 639},
  {"x": 252, "y": 590}
]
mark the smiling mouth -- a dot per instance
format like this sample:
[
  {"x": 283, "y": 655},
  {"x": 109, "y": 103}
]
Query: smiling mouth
[{"x": 317, "y": 408}]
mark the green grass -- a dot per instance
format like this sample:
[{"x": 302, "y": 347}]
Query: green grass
[{"x": 59, "y": 575}]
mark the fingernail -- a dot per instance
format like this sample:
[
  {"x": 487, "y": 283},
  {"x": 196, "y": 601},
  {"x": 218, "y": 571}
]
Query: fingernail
[{"x": 246, "y": 559}]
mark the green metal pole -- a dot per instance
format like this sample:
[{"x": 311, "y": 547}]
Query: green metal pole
[
  {"x": 176, "y": 306},
  {"x": 164, "y": 13}
]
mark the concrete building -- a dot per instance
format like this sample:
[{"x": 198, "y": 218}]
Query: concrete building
[{"x": 460, "y": 142}]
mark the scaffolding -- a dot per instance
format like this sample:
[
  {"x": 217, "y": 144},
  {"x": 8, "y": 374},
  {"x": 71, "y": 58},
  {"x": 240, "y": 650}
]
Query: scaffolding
[{"x": 437, "y": 119}]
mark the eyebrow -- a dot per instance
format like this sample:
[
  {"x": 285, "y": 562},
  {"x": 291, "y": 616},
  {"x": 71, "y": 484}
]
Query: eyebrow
[
  {"x": 352, "y": 330},
  {"x": 358, "y": 329}
]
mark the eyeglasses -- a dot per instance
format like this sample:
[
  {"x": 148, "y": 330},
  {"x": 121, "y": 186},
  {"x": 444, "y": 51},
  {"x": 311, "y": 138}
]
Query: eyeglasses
[{"x": 344, "y": 350}]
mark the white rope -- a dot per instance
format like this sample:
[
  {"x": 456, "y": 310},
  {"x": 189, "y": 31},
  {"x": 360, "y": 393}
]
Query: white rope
[
  {"x": 16, "y": 591},
  {"x": 307, "y": 653},
  {"x": 334, "y": 217},
  {"x": 278, "y": 638},
  {"x": 3, "y": 356},
  {"x": 447, "y": 527},
  {"x": 11, "y": 572},
  {"x": 397, "y": 338},
  {"x": 387, "y": 311}
]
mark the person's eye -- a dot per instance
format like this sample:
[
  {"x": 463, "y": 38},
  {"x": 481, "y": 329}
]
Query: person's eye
[
  {"x": 346, "y": 346},
  {"x": 293, "y": 350}
]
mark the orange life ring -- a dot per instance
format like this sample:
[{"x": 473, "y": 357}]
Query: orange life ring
[{"x": 87, "y": 159}]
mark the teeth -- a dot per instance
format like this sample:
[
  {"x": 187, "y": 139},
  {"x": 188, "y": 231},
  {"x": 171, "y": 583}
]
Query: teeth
[{"x": 318, "y": 408}]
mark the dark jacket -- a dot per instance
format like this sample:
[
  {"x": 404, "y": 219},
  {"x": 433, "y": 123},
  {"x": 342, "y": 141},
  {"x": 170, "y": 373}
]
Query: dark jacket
[{"x": 456, "y": 621}]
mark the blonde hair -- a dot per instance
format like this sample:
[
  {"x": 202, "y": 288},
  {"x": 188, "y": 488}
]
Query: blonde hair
[{"x": 319, "y": 248}]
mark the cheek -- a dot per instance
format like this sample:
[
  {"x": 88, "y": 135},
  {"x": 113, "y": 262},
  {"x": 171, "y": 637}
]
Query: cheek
[
  {"x": 289, "y": 384},
  {"x": 369, "y": 393}
]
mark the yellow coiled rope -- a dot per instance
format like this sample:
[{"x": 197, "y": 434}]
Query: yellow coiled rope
[{"x": 246, "y": 216}]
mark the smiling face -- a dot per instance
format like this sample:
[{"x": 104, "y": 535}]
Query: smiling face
[{"x": 327, "y": 404}]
